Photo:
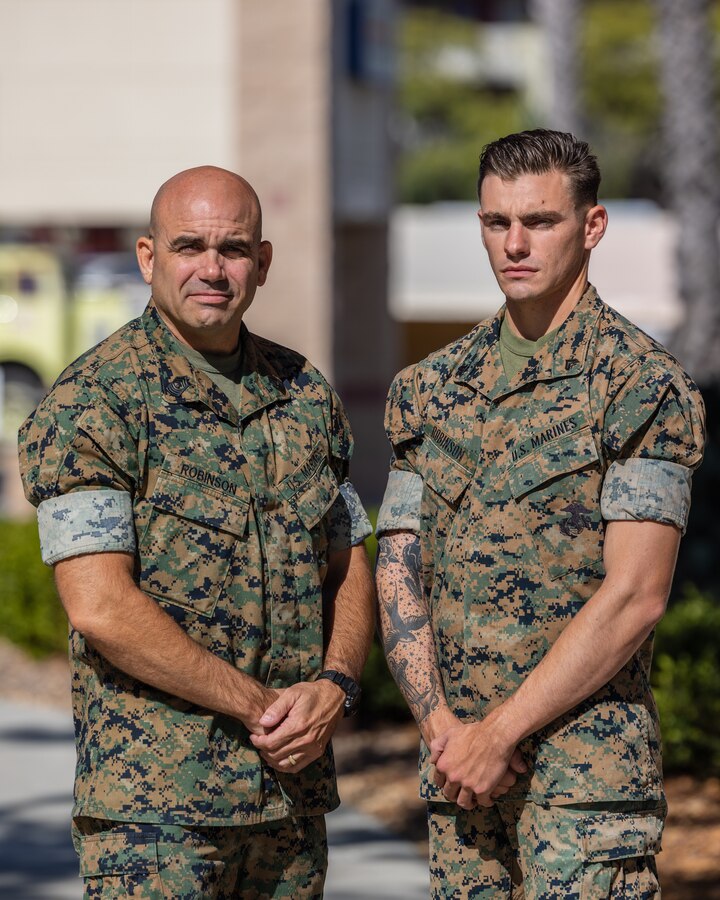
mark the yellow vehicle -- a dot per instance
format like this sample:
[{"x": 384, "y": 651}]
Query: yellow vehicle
[{"x": 45, "y": 324}]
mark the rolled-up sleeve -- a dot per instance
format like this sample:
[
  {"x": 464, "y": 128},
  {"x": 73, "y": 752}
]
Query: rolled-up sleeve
[
  {"x": 647, "y": 489},
  {"x": 99, "y": 521},
  {"x": 349, "y": 524},
  {"x": 400, "y": 508},
  {"x": 654, "y": 435}
]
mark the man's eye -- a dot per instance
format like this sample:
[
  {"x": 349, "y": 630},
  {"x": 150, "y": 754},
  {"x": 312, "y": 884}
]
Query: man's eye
[
  {"x": 187, "y": 249},
  {"x": 233, "y": 252}
]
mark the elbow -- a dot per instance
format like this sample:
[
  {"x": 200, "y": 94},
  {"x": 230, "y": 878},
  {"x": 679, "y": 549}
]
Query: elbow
[
  {"x": 649, "y": 607},
  {"x": 655, "y": 610},
  {"x": 85, "y": 621}
]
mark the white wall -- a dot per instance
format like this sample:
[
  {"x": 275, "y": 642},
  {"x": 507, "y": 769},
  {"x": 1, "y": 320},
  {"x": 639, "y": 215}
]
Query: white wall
[
  {"x": 440, "y": 272},
  {"x": 102, "y": 100}
]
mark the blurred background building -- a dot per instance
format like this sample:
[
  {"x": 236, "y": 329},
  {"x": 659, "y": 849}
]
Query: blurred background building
[{"x": 103, "y": 101}]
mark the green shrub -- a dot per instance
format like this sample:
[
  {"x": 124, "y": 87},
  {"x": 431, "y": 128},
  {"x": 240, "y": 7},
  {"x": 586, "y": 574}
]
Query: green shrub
[
  {"x": 686, "y": 681},
  {"x": 32, "y": 616}
]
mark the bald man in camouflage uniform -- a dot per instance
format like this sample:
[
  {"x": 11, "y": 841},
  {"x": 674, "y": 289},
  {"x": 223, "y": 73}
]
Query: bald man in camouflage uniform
[
  {"x": 191, "y": 487},
  {"x": 539, "y": 487}
]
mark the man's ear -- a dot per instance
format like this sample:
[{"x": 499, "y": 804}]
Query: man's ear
[
  {"x": 145, "y": 252},
  {"x": 265, "y": 254},
  {"x": 482, "y": 233},
  {"x": 596, "y": 219}
]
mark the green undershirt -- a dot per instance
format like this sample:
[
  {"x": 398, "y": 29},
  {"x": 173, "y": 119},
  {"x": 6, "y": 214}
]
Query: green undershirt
[
  {"x": 225, "y": 369},
  {"x": 515, "y": 351}
]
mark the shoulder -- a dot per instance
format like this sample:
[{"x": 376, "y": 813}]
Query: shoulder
[
  {"x": 413, "y": 386},
  {"x": 297, "y": 374},
  {"x": 652, "y": 406},
  {"x": 314, "y": 397},
  {"x": 119, "y": 358},
  {"x": 102, "y": 381},
  {"x": 623, "y": 349}
]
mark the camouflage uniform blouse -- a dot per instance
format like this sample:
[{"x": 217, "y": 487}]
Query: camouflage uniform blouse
[
  {"x": 509, "y": 485},
  {"x": 229, "y": 516}
]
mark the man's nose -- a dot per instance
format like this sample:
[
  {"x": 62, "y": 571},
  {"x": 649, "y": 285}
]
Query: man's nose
[
  {"x": 516, "y": 240},
  {"x": 211, "y": 266}
]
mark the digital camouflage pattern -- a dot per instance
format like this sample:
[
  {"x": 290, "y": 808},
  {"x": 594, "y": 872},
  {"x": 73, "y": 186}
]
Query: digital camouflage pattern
[
  {"x": 234, "y": 515},
  {"x": 511, "y": 528},
  {"x": 564, "y": 853},
  {"x": 285, "y": 859}
]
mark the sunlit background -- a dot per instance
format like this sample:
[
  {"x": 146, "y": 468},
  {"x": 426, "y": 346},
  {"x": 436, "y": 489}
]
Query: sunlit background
[{"x": 359, "y": 122}]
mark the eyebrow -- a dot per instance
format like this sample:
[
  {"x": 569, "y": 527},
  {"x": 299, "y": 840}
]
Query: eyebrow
[
  {"x": 183, "y": 240},
  {"x": 529, "y": 218},
  {"x": 187, "y": 240}
]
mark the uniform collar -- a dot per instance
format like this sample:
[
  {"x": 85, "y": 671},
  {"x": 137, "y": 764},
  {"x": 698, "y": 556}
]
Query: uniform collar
[
  {"x": 183, "y": 383},
  {"x": 563, "y": 357}
]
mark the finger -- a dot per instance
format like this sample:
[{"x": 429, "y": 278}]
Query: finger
[
  {"x": 466, "y": 799},
  {"x": 508, "y": 779},
  {"x": 451, "y": 791},
  {"x": 517, "y": 763},
  {"x": 498, "y": 791},
  {"x": 438, "y": 778},
  {"x": 437, "y": 746}
]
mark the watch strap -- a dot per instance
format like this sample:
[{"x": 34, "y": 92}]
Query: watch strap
[{"x": 348, "y": 685}]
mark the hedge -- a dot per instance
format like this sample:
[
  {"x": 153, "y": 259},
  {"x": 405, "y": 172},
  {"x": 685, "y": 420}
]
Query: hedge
[{"x": 32, "y": 615}]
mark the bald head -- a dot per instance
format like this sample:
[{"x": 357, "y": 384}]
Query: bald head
[
  {"x": 204, "y": 256},
  {"x": 209, "y": 182}
]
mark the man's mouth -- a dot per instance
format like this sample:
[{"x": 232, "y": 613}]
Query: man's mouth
[{"x": 210, "y": 297}]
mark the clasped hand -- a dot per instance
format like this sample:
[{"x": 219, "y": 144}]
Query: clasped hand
[
  {"x": 472, "y": 766},
  {"x": 298, "y": 724}
]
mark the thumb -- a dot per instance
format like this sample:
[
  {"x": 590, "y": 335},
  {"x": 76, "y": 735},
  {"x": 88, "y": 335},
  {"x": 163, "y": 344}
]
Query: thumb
[
  {"x": 437, "y": 747},
  {"x": 277, "y": 711}
]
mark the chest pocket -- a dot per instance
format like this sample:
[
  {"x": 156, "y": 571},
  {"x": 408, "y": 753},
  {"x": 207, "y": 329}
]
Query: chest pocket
[
  {"x": 446, "y": 470},
  {"x": 557, "y": 488},
  {"x": 310, "y": 491},
  {"x": 445, "y": 466},
  {"x": 187, "y": 547}
]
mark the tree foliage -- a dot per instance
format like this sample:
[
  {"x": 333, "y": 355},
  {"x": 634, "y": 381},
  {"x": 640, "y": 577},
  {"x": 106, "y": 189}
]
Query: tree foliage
[{"x": 446, "y": 120}]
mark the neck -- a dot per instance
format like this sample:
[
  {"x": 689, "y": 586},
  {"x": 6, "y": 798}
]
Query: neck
[
  {"x": 533, "y": 318},
  {"x": 220, "y": 342}
]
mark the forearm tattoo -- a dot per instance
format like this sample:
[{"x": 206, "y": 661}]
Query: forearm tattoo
[{"x": 404, "y": 624}]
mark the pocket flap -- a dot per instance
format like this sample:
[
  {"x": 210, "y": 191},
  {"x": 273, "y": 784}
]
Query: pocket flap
[
  {"x": 184, "y": 488},
  {"x": 446, "y": 466},
  {"x": 620, "y": 836},
  {"x": 117, "y": 854},
  {"x": 559, "y": 457},
  {"x": 312, "y": 488}
]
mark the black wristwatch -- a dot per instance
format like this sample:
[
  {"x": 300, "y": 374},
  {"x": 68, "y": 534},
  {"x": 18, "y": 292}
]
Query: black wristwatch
[{"x": 350, "y": 686}]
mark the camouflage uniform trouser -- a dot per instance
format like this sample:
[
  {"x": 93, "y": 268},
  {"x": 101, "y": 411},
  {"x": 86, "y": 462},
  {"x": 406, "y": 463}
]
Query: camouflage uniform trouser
[
  {"x": 525, "y": 851},
  {"x": 285, "y": 859}
]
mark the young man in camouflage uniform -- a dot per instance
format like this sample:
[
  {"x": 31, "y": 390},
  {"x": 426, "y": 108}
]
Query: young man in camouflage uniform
[
  {"x": 528, "y": 536},
  {"x": 191, "y": 487}
]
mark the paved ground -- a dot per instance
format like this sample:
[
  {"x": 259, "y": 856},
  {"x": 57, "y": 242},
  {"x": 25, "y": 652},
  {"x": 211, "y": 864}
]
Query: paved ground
[{"x": 37, "y": 861}]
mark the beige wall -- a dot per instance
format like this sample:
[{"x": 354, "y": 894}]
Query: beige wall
[
  {"x": 102, "y": 100},
  {"x": 284, "y": 147}
]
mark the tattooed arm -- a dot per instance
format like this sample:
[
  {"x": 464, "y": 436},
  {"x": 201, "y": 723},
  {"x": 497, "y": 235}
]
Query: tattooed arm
[
  {"x": 406, "y": 633},
  {"x": 407, "y": 637}
]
